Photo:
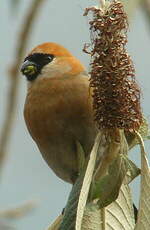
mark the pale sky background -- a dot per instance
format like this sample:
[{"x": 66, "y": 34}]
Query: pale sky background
[{"x": 26, "y": 176}]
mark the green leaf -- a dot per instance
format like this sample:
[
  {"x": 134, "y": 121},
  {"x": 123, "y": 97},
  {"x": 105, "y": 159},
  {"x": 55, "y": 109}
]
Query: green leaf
[
  {"x": 133, "y": 171},
  {"x": 112, "y": 169},
  {"x": 74, "y": 210},
  {"x": 143, "y": 131},
  {"x": 106, "y": 189},
  {"x": 119, "y": 215},
  {"x": 143, "y": 222}
]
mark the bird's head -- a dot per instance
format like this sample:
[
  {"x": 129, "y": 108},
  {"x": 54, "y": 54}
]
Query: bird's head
[{"x": 50, "y": 60}]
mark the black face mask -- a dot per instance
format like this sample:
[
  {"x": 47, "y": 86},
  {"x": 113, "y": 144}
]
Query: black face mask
[{"x": 34, "y": 63}]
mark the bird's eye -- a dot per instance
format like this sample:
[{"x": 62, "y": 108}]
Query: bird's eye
[
  {"x": 50, "y": 57},
  {"x": 45, "y": 59}
]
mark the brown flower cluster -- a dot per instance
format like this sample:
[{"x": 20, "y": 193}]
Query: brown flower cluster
[{"x": 116, "y": 95}]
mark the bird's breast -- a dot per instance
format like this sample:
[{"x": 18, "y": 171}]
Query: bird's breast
[{"x": 57, "y": 113}]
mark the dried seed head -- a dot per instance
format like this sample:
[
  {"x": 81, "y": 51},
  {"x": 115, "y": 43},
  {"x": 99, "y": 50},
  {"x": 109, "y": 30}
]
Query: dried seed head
[{"x": 116, "y": 95}]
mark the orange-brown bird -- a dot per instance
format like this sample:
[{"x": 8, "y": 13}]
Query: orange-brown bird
[{"x": 58, "y": 109}]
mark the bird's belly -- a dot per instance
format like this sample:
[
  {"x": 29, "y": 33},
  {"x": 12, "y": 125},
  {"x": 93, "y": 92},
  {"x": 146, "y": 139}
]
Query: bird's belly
[
  {"x": 58, "y": 119},
  {"x": 61, "y": 158}
]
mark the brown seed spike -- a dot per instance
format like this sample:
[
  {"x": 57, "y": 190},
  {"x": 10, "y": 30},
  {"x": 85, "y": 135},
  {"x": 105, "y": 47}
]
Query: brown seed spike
[{"x": 116, "y": 95}]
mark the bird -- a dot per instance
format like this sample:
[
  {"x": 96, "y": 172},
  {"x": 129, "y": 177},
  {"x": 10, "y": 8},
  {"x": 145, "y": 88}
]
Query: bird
[{"x": 58, "y": 108}]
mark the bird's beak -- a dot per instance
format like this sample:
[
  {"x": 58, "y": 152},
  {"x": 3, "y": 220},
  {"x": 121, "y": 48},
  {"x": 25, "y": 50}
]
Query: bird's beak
[{"x": 29, "y": 68}]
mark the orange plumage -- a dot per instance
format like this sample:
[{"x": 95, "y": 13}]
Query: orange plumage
[{"x": 58, "y": 110}]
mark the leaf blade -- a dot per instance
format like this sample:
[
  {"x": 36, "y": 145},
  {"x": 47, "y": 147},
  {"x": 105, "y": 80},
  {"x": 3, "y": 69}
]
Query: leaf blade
[
  {"x": 143, "y": 221},
  {"x": 77, "y": 199},
  {"x": 87, "y": 182}
]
